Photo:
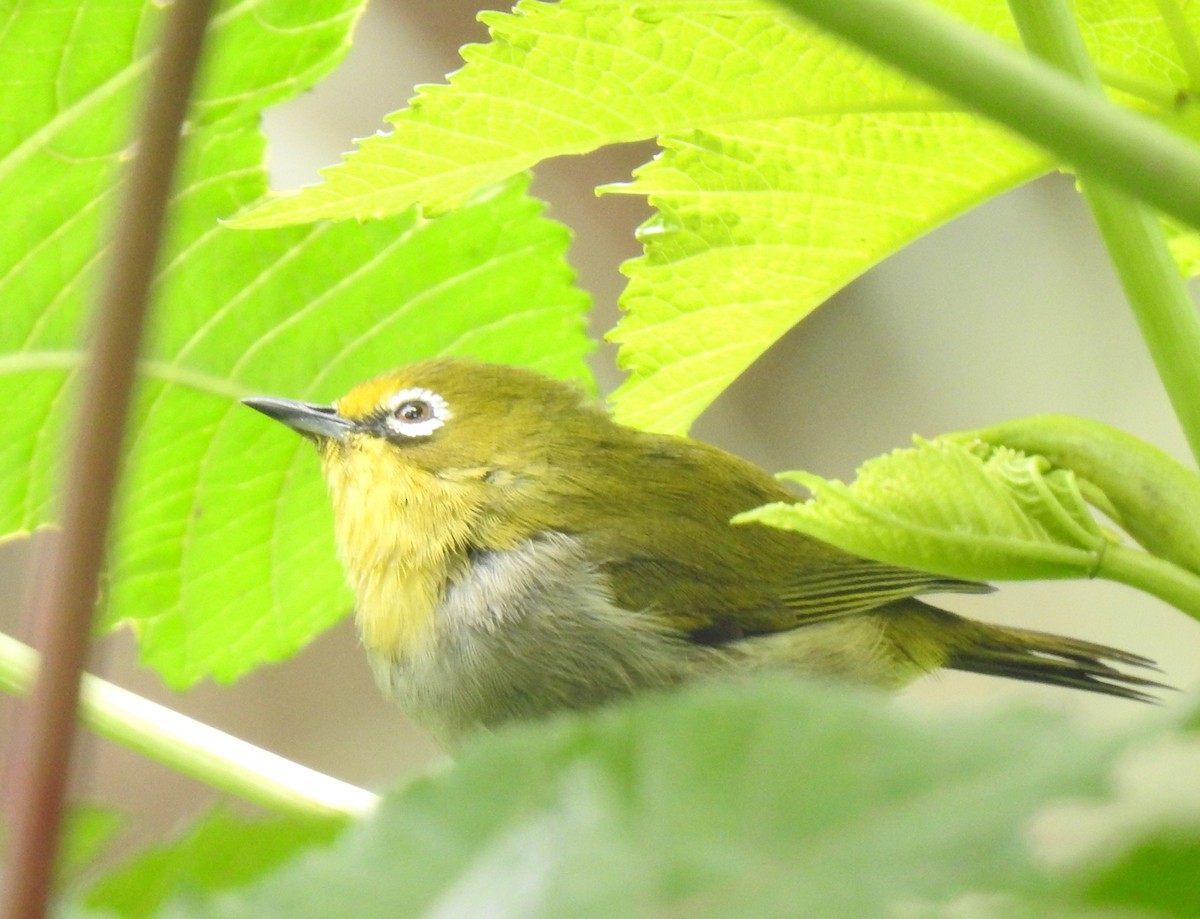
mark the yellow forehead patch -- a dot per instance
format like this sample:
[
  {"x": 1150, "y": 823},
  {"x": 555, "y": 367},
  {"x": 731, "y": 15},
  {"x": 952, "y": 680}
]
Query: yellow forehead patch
[{"x": 367, "y": 397}]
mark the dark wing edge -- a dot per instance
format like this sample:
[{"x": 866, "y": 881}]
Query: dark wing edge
[
  {"x": 1040, "y": 657},
  {"x": 860, "y": 585}
]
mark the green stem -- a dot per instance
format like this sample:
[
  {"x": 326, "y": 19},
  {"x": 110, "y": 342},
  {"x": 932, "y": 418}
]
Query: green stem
[
  {"x": 1164, "y": 311},
  {"x": 1168, "y": 320},
  {"x": 1048, "y": 31},
  {"x": 1153, "y": 575},
  {"x": 193, "y": 748}
]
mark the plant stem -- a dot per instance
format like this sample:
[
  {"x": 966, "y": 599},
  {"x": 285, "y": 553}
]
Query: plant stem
[
  {"x": 193, "y": 748},
  {"x": 1155, "y": 289},
  {"x": 1154, "y": 575},
  {"x": 1164, "y": 311},
  {"x": 69, "y": 573}
]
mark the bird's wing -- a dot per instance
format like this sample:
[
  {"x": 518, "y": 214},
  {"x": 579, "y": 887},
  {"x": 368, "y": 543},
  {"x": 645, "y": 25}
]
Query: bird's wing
[
  {"x": 661, "y": 531},
  {"x": 720, "y": 596},
  {"x": 856, "y": 585}
]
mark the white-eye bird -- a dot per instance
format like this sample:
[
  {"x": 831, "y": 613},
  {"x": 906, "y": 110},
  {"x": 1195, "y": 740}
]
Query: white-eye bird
[{"x": 514, "y": 552}]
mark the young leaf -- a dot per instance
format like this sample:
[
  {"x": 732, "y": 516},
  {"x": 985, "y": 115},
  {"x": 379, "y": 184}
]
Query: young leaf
[
  {"x": 964, "y": 511},
  {"x": 223, "y": 553},
  {"x": 765, "y": 798},
  {"x": 1155, "y": 498}
]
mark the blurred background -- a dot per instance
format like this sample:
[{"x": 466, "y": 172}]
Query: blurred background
[{"x": 1011, "y": 310}]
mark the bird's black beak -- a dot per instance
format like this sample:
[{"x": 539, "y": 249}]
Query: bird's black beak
[{"x": 308, "y": 418}]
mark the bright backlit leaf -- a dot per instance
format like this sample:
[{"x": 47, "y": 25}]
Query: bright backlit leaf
[
  {"x": 223, "y": 554},
  {"x": 791, "y": 164}
]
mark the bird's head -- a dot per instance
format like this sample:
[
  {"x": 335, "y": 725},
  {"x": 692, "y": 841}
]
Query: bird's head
[
  {"x": 450, "y": 418},
  {"x": 432, "y": 460}
]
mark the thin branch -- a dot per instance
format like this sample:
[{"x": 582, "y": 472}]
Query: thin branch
[
  {"x": 194, "y": 748},
  {"x": 68, "y": 574}
]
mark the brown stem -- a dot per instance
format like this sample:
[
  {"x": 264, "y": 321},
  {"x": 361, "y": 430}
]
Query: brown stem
[{"x": 62, "y": 604}]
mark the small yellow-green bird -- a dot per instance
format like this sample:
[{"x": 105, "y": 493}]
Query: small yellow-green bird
[{"x": 514, "y": 552}]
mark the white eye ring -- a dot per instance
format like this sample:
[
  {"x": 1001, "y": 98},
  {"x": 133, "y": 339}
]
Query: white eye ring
[{"x": 416, "y": 412}]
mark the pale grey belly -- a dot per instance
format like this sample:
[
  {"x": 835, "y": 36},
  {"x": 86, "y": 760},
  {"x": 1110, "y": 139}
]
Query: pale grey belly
[{"x": 528, "y": 632}]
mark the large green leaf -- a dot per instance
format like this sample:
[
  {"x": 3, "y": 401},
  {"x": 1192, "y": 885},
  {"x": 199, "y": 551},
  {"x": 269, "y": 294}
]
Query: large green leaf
[
  {"x": 223, "y": 555},
  {"x": 758, "y": 223},
  {"x": 792, "y": 162},
  {"x": 570, "y": 77},
  {"x": 768, "y": 798}
]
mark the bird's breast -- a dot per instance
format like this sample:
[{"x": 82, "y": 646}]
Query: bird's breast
[{"x": 528, "y": 631}]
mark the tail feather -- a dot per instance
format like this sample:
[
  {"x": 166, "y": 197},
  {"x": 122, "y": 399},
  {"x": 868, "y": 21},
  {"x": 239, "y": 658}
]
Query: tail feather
[{"x": 1040, "y": 657}]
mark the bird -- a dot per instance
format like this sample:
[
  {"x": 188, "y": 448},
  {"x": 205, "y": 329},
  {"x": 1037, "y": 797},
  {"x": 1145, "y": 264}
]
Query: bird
[{"x": 514, "y": 552}]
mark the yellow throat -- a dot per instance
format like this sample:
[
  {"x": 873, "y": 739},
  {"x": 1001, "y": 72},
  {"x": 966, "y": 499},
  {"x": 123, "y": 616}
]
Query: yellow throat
[{"x": 401, "y": 532}]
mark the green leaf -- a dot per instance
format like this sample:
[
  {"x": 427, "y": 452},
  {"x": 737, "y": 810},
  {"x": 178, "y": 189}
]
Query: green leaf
[
  {"x": 966, "y": 511},
  {"x": 1135, "y": 849},
  {"x": 769, "y": 798},
  {"x": 566, "y": 78},
  {"x": 223, "y": 554},
  {"x": 219, "y": 852},
  {"x": 792, "y": 162},
  {"x": 759, "y": 223}
]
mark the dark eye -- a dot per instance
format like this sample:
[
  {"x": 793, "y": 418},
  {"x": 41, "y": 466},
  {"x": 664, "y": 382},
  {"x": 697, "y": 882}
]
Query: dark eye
[{"x": 413, "y": 411}]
